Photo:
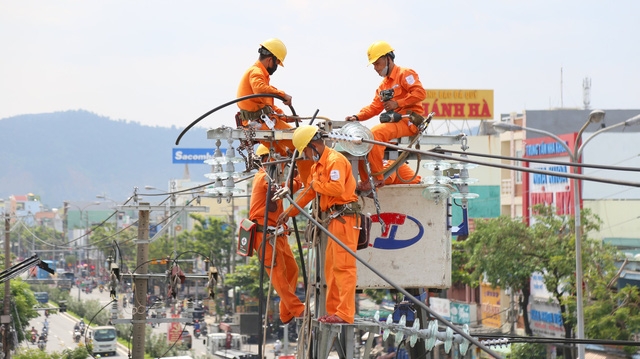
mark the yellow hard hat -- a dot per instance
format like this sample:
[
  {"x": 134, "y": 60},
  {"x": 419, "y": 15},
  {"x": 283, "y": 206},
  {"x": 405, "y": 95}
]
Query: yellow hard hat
[
  {"x": 277, "y": 48},
  {"x": 303, "y": 135},
  {"x": 262, "y": 150},
  {"x": 377, "y": 50}
]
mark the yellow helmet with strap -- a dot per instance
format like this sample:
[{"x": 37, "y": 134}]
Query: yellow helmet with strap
[
  {"x": 277, "y": 48},
  {"x": 262, "y": 150},
  {"x": 377, "y": 50},
  {"x": 303, "y": 135}
]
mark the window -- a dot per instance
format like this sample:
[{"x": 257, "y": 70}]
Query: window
[{"x": 518, "y": 164}]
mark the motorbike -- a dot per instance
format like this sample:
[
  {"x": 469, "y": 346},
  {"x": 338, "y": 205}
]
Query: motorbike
[
  {"x": 204, "y": 330},
  {"x": 34, "y": 336},
  {"x": 41, "y": 344},
  {"x": 196, "y": 333},
  {"x": 76, "y": 336}
]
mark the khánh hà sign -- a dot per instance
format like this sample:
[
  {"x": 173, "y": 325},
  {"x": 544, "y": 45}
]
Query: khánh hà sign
[{"x": 459, "y": 104}]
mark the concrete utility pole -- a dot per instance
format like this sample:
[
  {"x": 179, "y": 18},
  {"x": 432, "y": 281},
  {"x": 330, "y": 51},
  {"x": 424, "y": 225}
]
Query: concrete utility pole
[
  {"x": 140, "y": 295},
  {"x": 7, "y": 290}
]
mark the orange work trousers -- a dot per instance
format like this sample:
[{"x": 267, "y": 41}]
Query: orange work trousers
[
  {"x": 384, "y": 132},
  {"x": 283, "y": 275},
  {"x": 340, "y": 268}
]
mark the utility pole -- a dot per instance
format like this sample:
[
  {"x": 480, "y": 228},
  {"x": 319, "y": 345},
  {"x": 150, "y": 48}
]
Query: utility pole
[
  {"x": 140, "y": 294},
  {"x": 7, "y": 290}
]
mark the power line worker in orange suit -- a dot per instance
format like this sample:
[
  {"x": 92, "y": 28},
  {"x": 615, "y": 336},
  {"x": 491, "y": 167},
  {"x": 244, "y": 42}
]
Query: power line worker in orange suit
[
  {"x": 406, "y": 94},
  {"x": 261, "y": 112},
  {"x": 284, "y": 273},
  {"x": 331, "y": 178}
]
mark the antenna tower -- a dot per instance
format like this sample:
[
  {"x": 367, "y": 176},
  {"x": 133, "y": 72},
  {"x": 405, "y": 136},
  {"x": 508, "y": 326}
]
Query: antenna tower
[{"x": 586, "y": 92}]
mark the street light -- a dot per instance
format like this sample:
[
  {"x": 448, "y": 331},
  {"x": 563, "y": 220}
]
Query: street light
[{"x": 594, "y": 117}]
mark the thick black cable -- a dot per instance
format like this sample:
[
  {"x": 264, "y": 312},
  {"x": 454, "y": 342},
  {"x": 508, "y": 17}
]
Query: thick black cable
[
  {"x": 531, "y": 160},
  {"x": 265, "y": 227},
  {"x": 231, "y": 103},
  {"x": 292, "y": 169}
]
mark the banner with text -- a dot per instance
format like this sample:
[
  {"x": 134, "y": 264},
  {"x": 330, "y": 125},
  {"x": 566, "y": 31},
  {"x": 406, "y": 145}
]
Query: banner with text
[
  {"x": 490, "y": 304},
  {"x": 194, "y": 155},
  {"x": 459, "y": 104},
  {"x": 556, "y": 191}
]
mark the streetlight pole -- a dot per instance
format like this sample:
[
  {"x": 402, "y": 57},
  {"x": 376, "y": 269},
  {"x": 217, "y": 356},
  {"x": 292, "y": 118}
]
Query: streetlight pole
[
  {"x": 594, "y": 117},
  {"x": 115, "y": 231},
  {"x": 576, "y": 214}
]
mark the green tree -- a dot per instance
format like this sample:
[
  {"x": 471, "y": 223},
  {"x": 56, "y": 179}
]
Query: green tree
[
  {"x": 214, "y": 238},
  {"x": 612, "y": 313},
  {"x": 247, "y": 277},
  {"x": 25, "y": 353},
  {"x": 26, "y": 239},
  {"x": 502, "y": 251},
  {"x": 120, "y": 245},
  {"x": 528, "y": 351},
  {"x": 21, "y": 311}
]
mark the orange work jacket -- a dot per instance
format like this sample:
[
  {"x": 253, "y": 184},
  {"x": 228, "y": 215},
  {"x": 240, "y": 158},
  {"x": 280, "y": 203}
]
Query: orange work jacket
[
  {"x": 259, "y": 199},
  {"x": 256, "y": 80},
  {"x": 408, "y": 92},
  {"x": 331, "y": 177}
]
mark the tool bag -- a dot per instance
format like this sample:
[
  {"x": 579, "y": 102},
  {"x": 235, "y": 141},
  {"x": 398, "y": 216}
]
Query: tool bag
[
  {"x": 365, "y": 231},
  {"x": 246, "y": 236}
]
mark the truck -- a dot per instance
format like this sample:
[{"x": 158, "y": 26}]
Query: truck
[
  {"x": 42, "y": 274},
  {"x": 104, "y": 340}
]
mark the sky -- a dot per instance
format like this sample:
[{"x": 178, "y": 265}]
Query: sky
[{"x": 165, "y": 63}]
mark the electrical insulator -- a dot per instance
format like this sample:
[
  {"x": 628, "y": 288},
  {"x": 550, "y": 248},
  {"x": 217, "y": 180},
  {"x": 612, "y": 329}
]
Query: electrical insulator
[{"x": 114, "y": 310}]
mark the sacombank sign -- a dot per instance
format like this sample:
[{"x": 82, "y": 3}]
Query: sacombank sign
[{"x": 193, "y": 155}]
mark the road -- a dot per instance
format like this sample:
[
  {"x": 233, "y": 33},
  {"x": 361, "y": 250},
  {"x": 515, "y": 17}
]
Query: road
[
  {"x": 61, "y": 329},
  {"x": 60, "y": 333},
  {"x": 198, "y": 347}
]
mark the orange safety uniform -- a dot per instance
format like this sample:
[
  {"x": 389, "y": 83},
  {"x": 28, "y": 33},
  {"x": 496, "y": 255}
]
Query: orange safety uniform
[
  {"x": 409, "y": 94},
  {"x": 256, "y": 80},
  {"x": 402, "y": 175},
  {"x": 332, "y": 179},
  {"x": 284, "y": 274}
]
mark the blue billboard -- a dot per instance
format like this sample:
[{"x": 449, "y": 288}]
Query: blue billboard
[{"x": 194, "y": 155}]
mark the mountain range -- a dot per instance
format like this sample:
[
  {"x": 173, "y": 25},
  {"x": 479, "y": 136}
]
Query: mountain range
[{"x": 76, "y": 155}]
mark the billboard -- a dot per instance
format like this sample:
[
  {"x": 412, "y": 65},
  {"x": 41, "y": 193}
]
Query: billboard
[
  {"x": 459, "y": 104},
  {"x": 556, "y": 191},
  {"x": 442, "y": 306},
  {"x": 193, "y": 155},
  {"x": 546, "y": 318},
  {"x": 490, "y": 304}
]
